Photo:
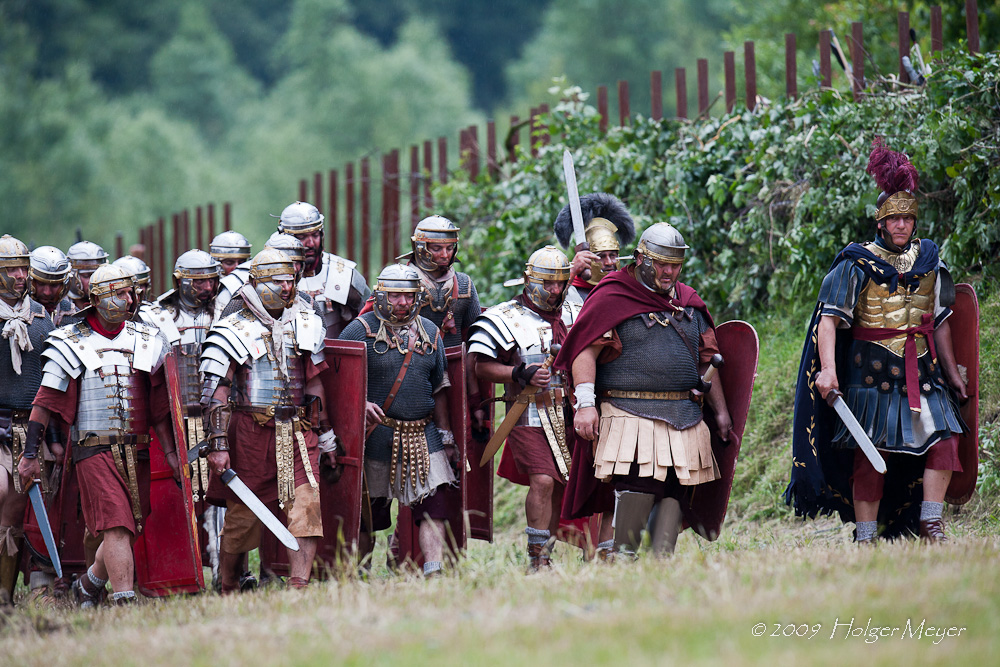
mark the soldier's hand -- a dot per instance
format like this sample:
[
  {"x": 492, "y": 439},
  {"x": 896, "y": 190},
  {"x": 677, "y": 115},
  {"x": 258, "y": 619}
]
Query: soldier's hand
[
  {"x": 218, "y": 462},
  {"x": 329, "y": 469},
  {"x": 587, "y": 423},
  {"x": 29, "y": 470},
  {"x": 541, "y": 377},
  {"x": 958, "y": 384},
  {"x": 57, "y": 449},
  {"x": 174, "y": 464},
  {"x": 479, "y": 419},
  {"x": 373, "y": 414},
  {"x": 724, "y": 424},
  {"x": 581, "y": 264},
  {"x": 826, "y": 380}
]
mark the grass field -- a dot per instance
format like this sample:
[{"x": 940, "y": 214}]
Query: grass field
[{"x": 771, "y": 590}]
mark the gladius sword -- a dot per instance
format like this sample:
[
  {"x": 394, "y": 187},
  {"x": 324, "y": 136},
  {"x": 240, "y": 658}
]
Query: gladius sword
[
  {"x": 574, "y": 201},
  {"x": 42, "y": 516},
  {"x": 836, "y": 401},
  {"x": 515, "y": 411},
  {"x": 253, "y": 503}
]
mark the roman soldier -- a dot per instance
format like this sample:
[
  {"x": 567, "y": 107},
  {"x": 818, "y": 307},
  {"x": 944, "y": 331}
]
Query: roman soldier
[
  {"x": 607, "y": 227},
  {"x": 106, "y": 354},
  {"x": 337, "y": 289},
  {"x": 881, "y": 336},
  {"x": 25, "y": 327},
  {"x": 410, "y": 449},
  {"x": 512, "y": 343},
  {"x": 232, "y": 250},
  {"x": 49, "y": 273},
  {"x": 141, "y": 274},
  {"x": 265, "y": 413},
  {"x": 84, "y": 258},
  {"x": 636, "y": 354}
]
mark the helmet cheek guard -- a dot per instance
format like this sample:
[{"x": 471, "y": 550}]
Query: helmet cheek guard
[{"x": 106, "y": 283}]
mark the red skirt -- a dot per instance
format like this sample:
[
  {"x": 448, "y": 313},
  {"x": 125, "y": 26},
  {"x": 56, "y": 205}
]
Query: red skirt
[{"x": 104, "y": 495}]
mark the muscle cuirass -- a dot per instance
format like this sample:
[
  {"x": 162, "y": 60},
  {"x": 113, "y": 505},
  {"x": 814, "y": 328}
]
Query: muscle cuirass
[
  {"x": 878, "y": 308},
  {"x": 111, "y": 398},
  {"x": 261, "y": 384},
  {"x": 17, "y": 391},
  {"x": 656, "y": 359}
]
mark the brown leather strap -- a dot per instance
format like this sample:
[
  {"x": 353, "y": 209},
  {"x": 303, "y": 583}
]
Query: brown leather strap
[{"x": 399, "y": 378}]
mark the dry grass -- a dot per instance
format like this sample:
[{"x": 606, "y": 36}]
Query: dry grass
[{"x": 701, "y": 605}]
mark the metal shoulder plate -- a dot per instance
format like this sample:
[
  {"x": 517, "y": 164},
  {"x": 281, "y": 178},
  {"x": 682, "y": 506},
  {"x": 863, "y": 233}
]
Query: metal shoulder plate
[
  {"x": 571, "y": 310},
  {"x": 155, "y": 314},
  {"x": 504, "y": 326},
  {"x": 240, "y": 335},
  {"x": 233, "y": 282},
  {"x": 310, "y": 333}
]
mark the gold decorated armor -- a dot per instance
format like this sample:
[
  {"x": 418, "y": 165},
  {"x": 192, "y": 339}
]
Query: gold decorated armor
[{"x": 878, "y": 308}]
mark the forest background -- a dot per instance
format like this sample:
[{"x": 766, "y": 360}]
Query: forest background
[{"x": 113, "y": 113}]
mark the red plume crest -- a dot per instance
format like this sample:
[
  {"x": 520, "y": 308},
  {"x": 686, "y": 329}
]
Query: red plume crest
[{"x": 892, "y": 171}]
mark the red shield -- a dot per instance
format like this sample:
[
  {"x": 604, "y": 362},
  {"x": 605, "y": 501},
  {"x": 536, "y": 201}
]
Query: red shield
[
  {"x": 167, "y": 555},
  {"x": 964, "y": 323},
  {"x": 479, "y": 480},
  {"x": 345, "y": 383},
  {"x": 738, "y": 343},
  {"x": 458, "y": 414}
]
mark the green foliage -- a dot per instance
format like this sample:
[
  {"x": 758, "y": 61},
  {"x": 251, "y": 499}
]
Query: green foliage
[
  {"x": 767, "y": 198},
  {"x": 600, "y": 42}
]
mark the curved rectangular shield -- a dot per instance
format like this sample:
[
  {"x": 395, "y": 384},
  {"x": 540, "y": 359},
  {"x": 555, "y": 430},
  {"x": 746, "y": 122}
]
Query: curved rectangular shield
[
  {"x": 964, "y": 323},
  {"x": 345, "y": 383},
  {"x": 705, "y": 509},
  {"x": 167, "y": 554}
]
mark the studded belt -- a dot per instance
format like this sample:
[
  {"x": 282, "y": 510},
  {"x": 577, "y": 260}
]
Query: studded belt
[{"x": 650, "y": 395}]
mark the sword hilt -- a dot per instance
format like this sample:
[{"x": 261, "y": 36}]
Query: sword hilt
[
  {"x": 705, "y": 382},
  {"x": 832, "y": 397}
]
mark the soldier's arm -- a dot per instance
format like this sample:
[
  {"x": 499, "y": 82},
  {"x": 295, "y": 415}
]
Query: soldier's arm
[
  {"x": 217, "y": 415},
  {"x": 586, "y": 421},
  {"x": 29, "y": 468},
  {"x": 946, "y": 354},
  {"x": 826, "y": 345},
  {"x": 493, "y": 370}
]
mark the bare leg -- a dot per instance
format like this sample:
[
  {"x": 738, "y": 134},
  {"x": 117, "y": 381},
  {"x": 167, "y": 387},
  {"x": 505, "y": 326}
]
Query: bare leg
[
  {"x": 300, "y": 562},
  {"x": 114, "y": 559},
  {"x": 936, "y": 484},
  {"x": 431, "y": 538},
  {"x": 538, "y": 502}
]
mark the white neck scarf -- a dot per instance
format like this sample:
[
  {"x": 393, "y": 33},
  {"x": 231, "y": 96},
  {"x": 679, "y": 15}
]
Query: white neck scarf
[{"x": 16, "y": 329}]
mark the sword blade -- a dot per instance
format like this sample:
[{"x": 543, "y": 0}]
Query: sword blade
[
  {"x": 851, "y": 422},
  {"x": 246, "y": 496},
  {"x": 574, "y": 200},
  {"x": 42, "y": 516}
]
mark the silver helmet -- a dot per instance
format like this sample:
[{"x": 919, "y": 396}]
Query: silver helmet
[
  {"x": 397, "y": 278},
  {"x": 192, "y": 266},
  {"x": 13, "y": 256},
  {"x": 300, "y": 218},
  {"x": 84, "y": 257},
  {"x": 434, "y": 229},
  {"x": 269, "y": 265},
  {"x": 105, "y": 283},
  {"x": 49, "y": 266},
  {"x": 140, "y": 273},
  {"x": 659, "y": 243},
  {"x": 288, "y": 244},
  {"x": 230, "y": 245},
  {"x": 548, "y": 263}
]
